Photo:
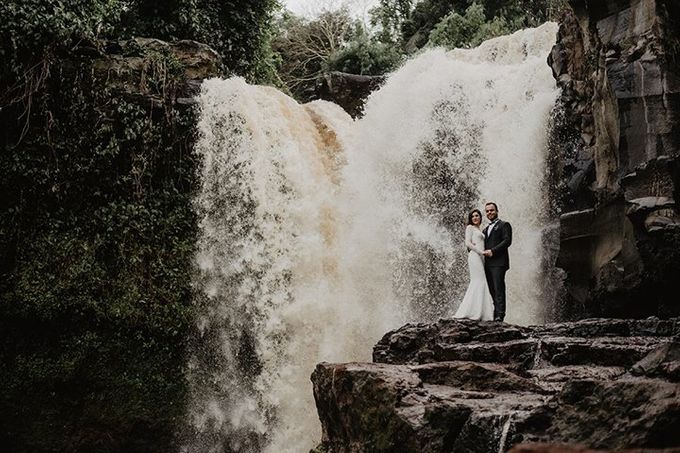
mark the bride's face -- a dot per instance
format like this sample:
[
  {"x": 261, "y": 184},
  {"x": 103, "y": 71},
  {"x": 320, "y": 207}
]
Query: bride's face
[{"x": 476, "y": 218}]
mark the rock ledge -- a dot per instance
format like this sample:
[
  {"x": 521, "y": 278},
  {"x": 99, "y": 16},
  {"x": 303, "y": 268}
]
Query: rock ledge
[{"x": 469, "y": 386}]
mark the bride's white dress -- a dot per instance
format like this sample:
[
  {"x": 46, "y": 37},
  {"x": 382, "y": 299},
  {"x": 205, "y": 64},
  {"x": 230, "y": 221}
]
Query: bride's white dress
[{"x": 477, "y": 303}]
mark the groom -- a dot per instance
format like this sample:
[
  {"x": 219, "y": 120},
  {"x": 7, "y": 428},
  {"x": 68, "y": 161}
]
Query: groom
[{"x": 497, "y": 239}]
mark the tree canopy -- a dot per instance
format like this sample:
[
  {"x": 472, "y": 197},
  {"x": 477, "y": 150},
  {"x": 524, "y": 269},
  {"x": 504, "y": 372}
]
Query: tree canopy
[
  {"x": 334, "y": 41},
  {"x": 32, "y": 30}
]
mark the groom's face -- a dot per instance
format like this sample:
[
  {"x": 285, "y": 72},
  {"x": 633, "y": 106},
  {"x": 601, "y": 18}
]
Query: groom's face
[{"x": 491, "y": 212}]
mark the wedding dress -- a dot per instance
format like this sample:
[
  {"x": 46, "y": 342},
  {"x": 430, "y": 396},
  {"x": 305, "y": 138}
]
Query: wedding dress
[{"x": 477, "y": 303}]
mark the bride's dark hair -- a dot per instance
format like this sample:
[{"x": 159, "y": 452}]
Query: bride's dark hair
[{"x": 470, "y": 216}]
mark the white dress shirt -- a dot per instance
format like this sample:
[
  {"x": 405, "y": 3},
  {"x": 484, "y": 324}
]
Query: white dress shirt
[{"x": 491, "y": 226}]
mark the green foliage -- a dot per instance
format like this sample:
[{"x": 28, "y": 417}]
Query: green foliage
[
  {"x": 332, "y": 41},
  {"x": 34, "y": 30},
  {"x": 418, "y": 23},
  {"x": 238, "y": 31},
  {"x": 469, "y": 30},
  {"x": 97, "y": 231},
  {"x": 267, "y": 61},
  {"x": 388, "y": 16},
  {"x": 97, "y": 241},
  {"x": 455, "y": 30},
  {"x": 31, "y": 29},
  {"x": 365, "y": 56},
  {"x": 416, "y": 28}
]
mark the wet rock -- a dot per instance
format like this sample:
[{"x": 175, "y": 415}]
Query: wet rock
[
  {"x": 378, "y": 407},
  {"x": 422, "y": 343},
  {"x": 616, "y": 415},
  {"x": 554, "y": 378},
  {"x": 620, "y": 351},
  {"x": 600, "y": 383},
  {"x": 349, "y": 91},
  {"x": 516, "y": 352},
  {"x": 475, "y": 376},
  {"x": 374, "y": 407},
  {"x": 662, "y": 361}
]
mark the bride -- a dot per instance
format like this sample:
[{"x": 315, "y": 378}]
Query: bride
[{"x": 477, "y": 303}]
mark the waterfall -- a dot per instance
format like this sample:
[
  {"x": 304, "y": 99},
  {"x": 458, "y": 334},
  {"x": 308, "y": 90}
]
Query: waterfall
[{"x": 318, "y": 233}]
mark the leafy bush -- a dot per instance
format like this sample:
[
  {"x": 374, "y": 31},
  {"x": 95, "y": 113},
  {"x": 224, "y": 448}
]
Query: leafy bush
[
  {"x": 415, "y": 22},
  {"x": 388, "y": 16},
  {"x": 469, "y": 30},
  {"x": 238, "y": 31},
  {"x": 97, "y": 231},
  {"x": 97, "y": 242},
  {"x": 34, "y": 30},
  {"x": 332, "y": 41},
  {"x": 31, "y": 29},
  {"x": 365, "y": 56}
]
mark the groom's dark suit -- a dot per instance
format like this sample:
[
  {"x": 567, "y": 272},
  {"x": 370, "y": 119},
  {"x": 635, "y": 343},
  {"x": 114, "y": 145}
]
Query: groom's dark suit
[{"x": 495, "y": 266}]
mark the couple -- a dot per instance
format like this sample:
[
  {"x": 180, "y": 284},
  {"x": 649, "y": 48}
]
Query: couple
[{"x": 488, "y": 261}]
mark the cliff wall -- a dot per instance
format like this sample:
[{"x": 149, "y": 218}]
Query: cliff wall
[{"x": 616, "y": 169}]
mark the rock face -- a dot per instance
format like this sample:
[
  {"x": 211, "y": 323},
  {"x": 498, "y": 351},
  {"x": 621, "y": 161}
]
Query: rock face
[
  {"x": 469, "y": 386},
  {"x": 130, "y": 67},
  {"x": 616, "y": 167},
  {"x": 349, "y": 91}
]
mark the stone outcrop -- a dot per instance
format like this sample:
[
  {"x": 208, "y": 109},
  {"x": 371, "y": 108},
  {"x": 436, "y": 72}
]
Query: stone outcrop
[
  {"x": 616, "y": 148},
  {"x": 145, "y": 70},
  {"x": 349, "y": 91},
  {"x": 469, "y": 386}
]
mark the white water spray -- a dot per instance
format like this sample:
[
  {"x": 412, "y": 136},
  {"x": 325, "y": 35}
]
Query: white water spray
[{"x": 319, "y": 234}]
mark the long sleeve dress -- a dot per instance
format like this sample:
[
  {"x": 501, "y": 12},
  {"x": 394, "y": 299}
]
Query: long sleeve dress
[{"x": 477, "y": 302}]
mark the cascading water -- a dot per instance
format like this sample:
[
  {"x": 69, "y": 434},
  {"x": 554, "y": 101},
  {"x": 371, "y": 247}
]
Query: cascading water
[{"x": 319, "y": 234}]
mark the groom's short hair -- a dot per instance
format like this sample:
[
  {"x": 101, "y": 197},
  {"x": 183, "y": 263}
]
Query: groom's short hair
[{"x": 495, "y": 206}]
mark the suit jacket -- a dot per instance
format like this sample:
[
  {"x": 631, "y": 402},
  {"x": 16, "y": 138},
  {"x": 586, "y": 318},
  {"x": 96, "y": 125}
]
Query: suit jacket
[{"x": 498, "y": 242}]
